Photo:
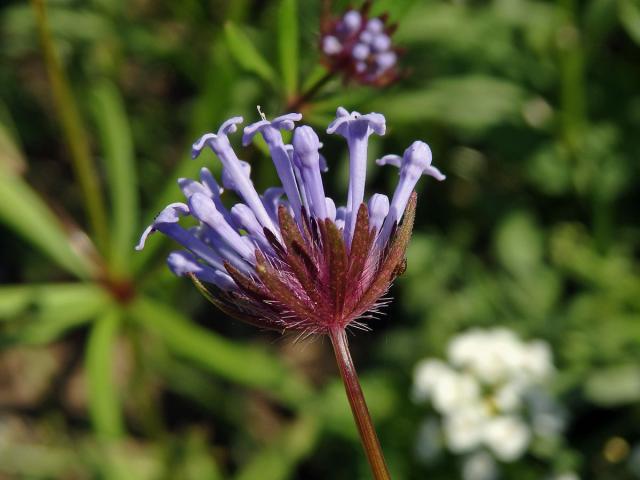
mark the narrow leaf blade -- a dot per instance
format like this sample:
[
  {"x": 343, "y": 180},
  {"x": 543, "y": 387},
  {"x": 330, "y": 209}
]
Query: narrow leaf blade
[
  {"x": 73, "y": 128},
  {"x": 288, "y": 44},
  {"x": 248, "y": 366},
  {"x": 11, "y": 156},
  {"x": 22, "y": 210},
  {"x": 629, "y": 13},
  {"x": 43, "y": 313},
  {"x": 35, "y": 299},
  {"x": 246, "y": 54},
  {"x": 119, "y": 160},
  {"x": 104, "y": 404}
]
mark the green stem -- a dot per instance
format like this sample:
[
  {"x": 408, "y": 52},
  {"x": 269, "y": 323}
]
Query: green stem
[
  {"x": 572, "y": 93},
  {"x": 303, "y": 98},
  {"x": 358, "y": 405},
  {"x": 73, "y": 128}
]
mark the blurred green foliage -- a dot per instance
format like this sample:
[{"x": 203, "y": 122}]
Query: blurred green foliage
[{"x": 111, "y": 368}]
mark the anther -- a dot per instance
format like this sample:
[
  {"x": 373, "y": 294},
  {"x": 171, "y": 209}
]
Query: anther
[{"x": 262, "y": 115}]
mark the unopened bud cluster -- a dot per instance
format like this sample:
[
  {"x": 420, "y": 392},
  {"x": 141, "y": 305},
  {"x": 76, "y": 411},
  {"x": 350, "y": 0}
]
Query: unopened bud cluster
[{"x": 360, "y": 47}]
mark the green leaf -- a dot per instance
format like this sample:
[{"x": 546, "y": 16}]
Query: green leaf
[
  {"x": 246, "y": 54},
  {"x": 519, "y": 243},
  {"x": 42, "y": 313},
  {"x": 22, "y": 210},
  {"x": 68, "y": 23},
  {"x": 74, "y": 130},
  {"x": 396, "y": 9},
  {"x": 246, "y": 365},
  {"x": 279, "y": 459},
  {"x": 119, "y": 156},
  {"x": 196, "y": 461},
  {"x": 11, "y": 157},
  {"x": 38, "y": 299},
  {"x": 614, "y": 386},
  {"x": 288, "y": 44},
  {"x": 474, "y": 103},
  {"x": 104, "y": 404},
  {"x": 629, "y": 13}
]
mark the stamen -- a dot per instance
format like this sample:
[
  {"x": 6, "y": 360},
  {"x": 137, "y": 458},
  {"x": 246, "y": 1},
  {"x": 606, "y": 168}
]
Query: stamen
[{"x": 262, "y": 115}]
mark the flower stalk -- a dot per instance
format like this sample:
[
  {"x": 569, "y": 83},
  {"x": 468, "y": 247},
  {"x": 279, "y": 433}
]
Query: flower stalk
[
  {"x": 299, "y": 101},
  {"x": 358, "y": 404}
]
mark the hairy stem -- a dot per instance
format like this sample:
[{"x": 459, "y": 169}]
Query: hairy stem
[{"x": 358, "y": 405}]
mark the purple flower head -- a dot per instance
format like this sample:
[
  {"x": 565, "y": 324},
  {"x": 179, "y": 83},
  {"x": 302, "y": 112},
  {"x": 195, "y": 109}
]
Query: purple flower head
[
  {"x": 360, "y": 47},
  {"x": 290, "y": 259}
]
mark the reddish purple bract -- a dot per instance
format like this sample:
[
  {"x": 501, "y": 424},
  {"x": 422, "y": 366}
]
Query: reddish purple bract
[{"x": 312, "y": 282}]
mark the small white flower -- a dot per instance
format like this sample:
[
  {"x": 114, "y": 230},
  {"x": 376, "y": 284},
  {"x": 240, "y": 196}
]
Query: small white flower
[
  {"x": 537, "y": 360},
  {"x": 479, "y": 466},
  {"x": 498, "y": 354},
  {"x": 501, "y": 357},
  {"x": 508, "y": 397},
  {"x": 507, "y": 436},
  {"x": 455, "y": 391},
  {"x": 426, "y": 375},
  {"x": 464, "y": 430},
  {"x": 462, "y": 349},
  {"x": 487, "y": 354}
]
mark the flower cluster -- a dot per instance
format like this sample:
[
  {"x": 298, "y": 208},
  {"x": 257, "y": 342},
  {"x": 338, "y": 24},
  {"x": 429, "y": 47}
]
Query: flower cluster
[
  {"x": 360, "y": 47},
  {"x": 289, "y": 258},
  {"x": 491, "y": 395}
]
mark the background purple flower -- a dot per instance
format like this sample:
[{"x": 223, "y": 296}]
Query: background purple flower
[{"x": 360, "y": 47}]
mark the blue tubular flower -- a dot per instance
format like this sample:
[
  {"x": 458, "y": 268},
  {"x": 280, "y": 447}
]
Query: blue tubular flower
[
  {"x": 378, "y": 210},
  {"x": 183, "y": 263},
  {"x": 415, "y": 162},
  {"x": 291, "y": 259},
  {"x": 219, "y": 143},
  {"x": 356, "y": 129},
  {"x": 271, "y": 133},
  {"x": 307, "y": 158}
]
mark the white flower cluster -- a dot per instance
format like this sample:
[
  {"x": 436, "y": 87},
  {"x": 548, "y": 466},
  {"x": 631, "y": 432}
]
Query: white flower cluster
[{"x": 491, "y": 394}]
